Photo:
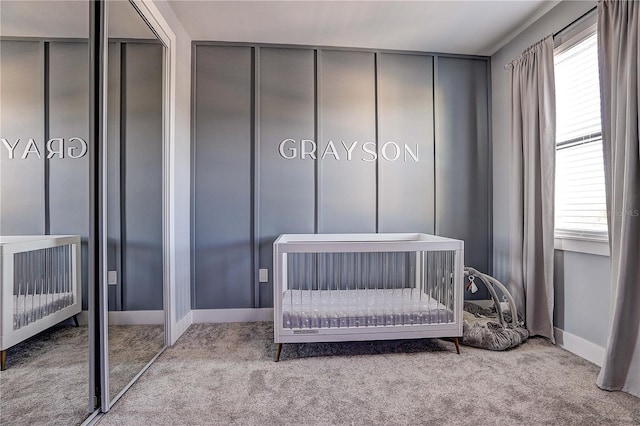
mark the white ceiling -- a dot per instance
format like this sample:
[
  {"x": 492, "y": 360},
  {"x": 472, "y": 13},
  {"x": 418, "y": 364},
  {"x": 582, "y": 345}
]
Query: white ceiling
[
  {"x": 67, "y": 19},
  {"x": 465, "y": 27}
]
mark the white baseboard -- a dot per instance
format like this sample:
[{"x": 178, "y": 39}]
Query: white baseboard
[
  {"x": 579, "y": 346},
  {"x": 232, "y": 315},
  {"x": 128, "y": 317},
  {"x": 136, "y": 317},
  {"x": 180, "y": 327}
]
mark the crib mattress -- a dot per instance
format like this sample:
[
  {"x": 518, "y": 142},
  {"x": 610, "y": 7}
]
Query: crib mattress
[
  {"x": 361, "y": 308},
  {"x": 30, "y": 308}
]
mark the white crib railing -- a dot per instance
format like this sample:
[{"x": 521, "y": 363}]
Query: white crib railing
[
  {"x": 333, "y": 290},
  {"x": 366, "y": 287},
  {"x": 41, "y": 284}
]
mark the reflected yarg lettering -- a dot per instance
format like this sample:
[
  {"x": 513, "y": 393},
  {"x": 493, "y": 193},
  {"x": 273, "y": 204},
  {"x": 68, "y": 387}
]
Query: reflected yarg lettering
[
  {"x": 82, "y": 147},
  {"x": 73, "y": 147}
]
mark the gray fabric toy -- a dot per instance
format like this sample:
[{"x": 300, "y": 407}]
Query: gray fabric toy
[{"x": 492, "y": 329}]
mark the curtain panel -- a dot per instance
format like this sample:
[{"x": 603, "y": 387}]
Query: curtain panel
[
  {"x": 532, "y": 185},
  {"x": 618, "y": 53}
]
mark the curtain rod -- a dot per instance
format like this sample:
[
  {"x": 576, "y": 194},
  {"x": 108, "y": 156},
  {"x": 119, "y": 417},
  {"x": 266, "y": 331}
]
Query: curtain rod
[
  {"x": 569, "y": 25},
  {"x": 574, "y": 21}
]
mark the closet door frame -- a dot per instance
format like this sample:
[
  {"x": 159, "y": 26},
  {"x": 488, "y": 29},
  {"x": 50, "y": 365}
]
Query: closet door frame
[
  {"x": 148, "y": 11},
  {"x": 99, "y": 51}
]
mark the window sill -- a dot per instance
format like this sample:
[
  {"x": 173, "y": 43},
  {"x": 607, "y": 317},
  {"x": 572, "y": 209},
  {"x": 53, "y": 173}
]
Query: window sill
[{"x": 598, "y": 247}]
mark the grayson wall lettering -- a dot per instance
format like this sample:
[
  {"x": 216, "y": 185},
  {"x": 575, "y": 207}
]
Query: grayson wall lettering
[{"x": 303, "y": 149}]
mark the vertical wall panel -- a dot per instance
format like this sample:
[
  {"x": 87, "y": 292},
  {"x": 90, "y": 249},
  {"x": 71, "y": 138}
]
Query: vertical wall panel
[
  {"x": 463, "y": 185},
  {"x": 405, "y": 116},
  {"x": 222, "y": 178},
  {"x": 142, "y": 189},
  {"x": 69, "y": 117},
  {"x": 22, "y": 87},
  {"x": 347, "y": 189},
  {"x": 287, "y": 187},
  {"x": 114, "y": 242}
]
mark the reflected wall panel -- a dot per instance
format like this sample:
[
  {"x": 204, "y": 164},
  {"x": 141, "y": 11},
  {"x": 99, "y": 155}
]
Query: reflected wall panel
[
  {"x": 347, "y": 188},
  {"x": 69, "y": 118},
  {"x": 405, "y": 116},
  {"x": 22, "y": 192},
  {"x": 114, "y": 240},
  {"x": 463, "y": 185},
  {"x": 142, "y": 179},
  {"x": 222, "y": 225},
  {"x": 286, "y": 186}
]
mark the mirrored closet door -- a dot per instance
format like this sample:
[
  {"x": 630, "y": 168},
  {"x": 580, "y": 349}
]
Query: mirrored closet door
[
  {"x": 134, "y": 250},
  {"x": 45, "y": 212}
]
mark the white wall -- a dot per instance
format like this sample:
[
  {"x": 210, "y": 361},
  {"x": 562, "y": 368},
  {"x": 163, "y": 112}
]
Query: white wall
[
  {"x": 181, "y": 157},
  {"x": 582, "y": 280}
]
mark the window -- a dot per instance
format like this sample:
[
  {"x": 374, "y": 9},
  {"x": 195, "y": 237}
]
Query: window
[{"x": 580, "y": 193}]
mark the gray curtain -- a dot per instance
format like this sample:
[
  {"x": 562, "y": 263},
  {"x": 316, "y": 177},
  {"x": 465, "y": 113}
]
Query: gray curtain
[
  {"x": 533, "y": 149},
  {"x": 618, "y": 53}
]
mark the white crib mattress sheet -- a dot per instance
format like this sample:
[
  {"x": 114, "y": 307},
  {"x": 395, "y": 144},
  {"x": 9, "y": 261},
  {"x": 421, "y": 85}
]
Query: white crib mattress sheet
[
  {"x": 30, "y": 308},
  {"x": 358, "y": 308}
]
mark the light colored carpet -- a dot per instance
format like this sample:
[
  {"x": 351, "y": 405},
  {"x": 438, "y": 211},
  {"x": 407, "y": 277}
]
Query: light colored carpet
[
  {"x": 131, "y": 347},
  {"x": 47, "y": 377},
  {"x": 220, "y": 374}
]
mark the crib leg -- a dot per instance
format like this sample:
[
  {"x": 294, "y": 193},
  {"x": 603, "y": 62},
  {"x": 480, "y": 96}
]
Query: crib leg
[
  {"x": 75, "y": 320},
  {"x": 455, "y": 342},
  {"x": 3, "y": 360},
  {"x": 278, "y": 352}
]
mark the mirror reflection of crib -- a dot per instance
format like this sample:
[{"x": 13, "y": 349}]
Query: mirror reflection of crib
[{"x": 40, "y": 285}]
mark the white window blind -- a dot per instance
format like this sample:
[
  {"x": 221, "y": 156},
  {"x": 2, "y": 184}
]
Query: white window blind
[{"x": 580, "y": 194}]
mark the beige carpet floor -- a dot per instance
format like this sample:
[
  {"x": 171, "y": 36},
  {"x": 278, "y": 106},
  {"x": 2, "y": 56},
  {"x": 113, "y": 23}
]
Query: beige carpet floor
[
  {"x": 222, "y": 374},
  {"x": 131, "y": 347},
  {"x": 47, "y": 377}
]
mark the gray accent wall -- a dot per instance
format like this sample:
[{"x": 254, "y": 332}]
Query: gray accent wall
[
  {"x": 114, "y": 232},
  {"x": 247, "y": 99},
  {"x": 223, "y": 170},
  {"x": 134, "y": 175},
  {"x": 44, "y": 94},
  {"x": 462, "y": 164},
  {"x": 406, "y": 188},
  {"x": 287, "y": 110},
  {"x": 141, "y": 176},
  {"x": 22, "y": 192},
  {"x": 44, "y": 88},
  {"x": 69, "y": 116},
  {"x": 347, "y": 105}
]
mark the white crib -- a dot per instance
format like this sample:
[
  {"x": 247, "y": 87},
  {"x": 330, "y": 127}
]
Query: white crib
[
  {"x": 41, "y": 285},
  {"x": 345, "y": 287}
]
